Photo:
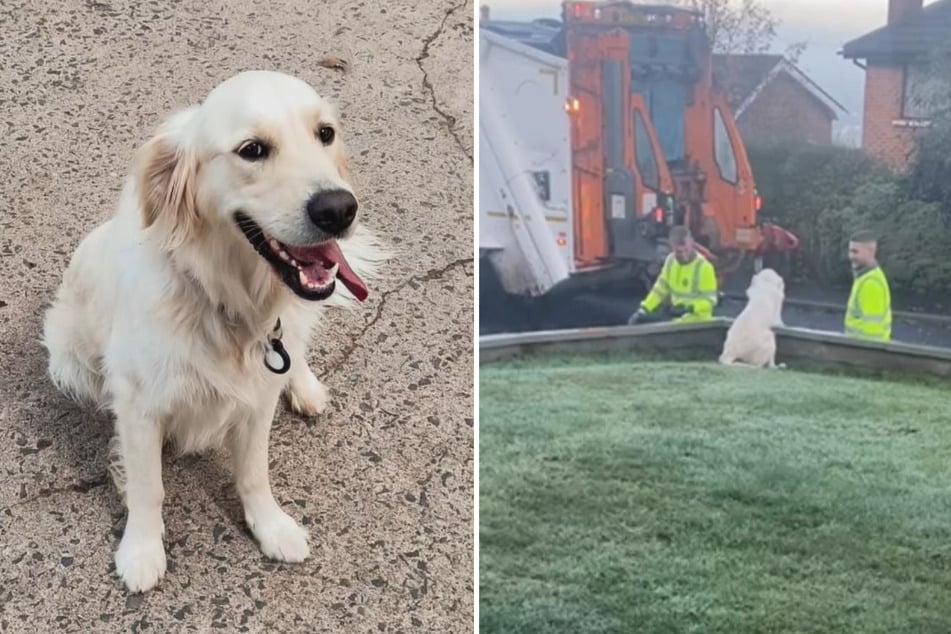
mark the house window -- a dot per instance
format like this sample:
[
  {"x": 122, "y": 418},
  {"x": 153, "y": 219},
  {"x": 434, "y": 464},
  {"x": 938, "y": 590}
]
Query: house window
[
  {"x": 646, "y": 161},
  {"x": 923, "y": 91},
  {"x": 723, "y": 148}
]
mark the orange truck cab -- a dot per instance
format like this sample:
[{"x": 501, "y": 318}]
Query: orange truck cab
[
  {"x": 623, "y": 190},
  {"x": 662, "y": 56}
]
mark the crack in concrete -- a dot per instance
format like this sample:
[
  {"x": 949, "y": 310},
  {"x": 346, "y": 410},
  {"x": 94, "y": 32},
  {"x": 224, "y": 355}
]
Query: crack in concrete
[
  {"x": 428, "y": 276},
  {"x": 449, "y": 120},
  {"x": 83, "y": 486}
]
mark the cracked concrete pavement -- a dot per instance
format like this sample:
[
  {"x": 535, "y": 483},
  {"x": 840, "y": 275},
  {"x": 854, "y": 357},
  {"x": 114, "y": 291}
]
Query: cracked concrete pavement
[{"x": 383, "y": 481}]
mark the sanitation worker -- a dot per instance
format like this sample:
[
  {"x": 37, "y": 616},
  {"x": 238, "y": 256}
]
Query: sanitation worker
[
  {"x": 686, "y": 287},
  {"x": 869, "y": 312}
]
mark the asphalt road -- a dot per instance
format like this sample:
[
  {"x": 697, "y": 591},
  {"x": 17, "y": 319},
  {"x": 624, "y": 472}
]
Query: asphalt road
[
  {"x": 612, "y": 310},
  {"x": 921, "y": 333}
]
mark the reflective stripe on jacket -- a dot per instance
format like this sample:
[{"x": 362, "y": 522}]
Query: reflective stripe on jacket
[
  {"x": 692, "y": 284},
  {"x": 869, "y": 312}
]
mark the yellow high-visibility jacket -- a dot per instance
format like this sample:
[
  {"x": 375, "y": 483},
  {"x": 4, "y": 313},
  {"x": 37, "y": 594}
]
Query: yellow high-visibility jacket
[
  {"x": 692, "y": 284},
  {"x": 869, "y": 312}
]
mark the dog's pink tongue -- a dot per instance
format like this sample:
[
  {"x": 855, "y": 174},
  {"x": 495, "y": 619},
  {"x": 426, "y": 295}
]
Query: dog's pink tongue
[{"x": 328, "y": 254}]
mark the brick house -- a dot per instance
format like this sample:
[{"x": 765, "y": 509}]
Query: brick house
[
  {"x": 774, "y": 101},
  {"x": 896, "y": 81}
]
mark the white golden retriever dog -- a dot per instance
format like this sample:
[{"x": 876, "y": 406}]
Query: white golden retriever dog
[
  {"x": 750, "y": 339},
  {"x": 190, "y": 311}
]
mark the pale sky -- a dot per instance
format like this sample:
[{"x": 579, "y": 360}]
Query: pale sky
[{"x": 854, "y": 16}]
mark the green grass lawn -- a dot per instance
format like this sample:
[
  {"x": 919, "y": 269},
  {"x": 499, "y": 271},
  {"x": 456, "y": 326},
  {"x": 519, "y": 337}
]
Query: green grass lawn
[{"x": 624, "y": 496}]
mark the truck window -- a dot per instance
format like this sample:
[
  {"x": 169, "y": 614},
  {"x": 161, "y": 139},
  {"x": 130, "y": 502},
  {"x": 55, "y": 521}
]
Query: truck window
[
  {"x": 723, "y": 148},
  {"x": 666, "y": 102},
  {"x": 646, "y": 159}
]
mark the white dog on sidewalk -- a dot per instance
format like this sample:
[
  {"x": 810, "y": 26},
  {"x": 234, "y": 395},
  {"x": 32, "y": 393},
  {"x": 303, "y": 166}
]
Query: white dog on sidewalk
[
  {"x": 192, "y": 309},
  {"x": 750, "y": 340}
]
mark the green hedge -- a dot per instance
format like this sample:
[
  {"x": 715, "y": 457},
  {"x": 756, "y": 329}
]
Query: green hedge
[{"x": 824, "y": 193}]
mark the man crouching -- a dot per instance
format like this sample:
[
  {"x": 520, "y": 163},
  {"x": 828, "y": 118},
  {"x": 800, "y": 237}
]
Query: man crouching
[{"x": 686, "y": 287}]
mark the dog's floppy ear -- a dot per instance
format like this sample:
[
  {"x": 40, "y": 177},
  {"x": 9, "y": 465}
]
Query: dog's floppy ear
[
  {"x": 343, "y": 161},
  {"x": 168, "y": 169},
  {"x": 341, "y": 154}
]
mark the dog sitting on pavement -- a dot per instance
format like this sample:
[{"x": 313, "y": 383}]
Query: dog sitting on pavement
[{"x": 190, "y": 311}]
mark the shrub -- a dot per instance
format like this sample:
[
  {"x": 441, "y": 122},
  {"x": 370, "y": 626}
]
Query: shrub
[
  {"x": 927, "y": 178},
  {"x": 825, "y": 193},
  {"x": 914, "y": 243}
]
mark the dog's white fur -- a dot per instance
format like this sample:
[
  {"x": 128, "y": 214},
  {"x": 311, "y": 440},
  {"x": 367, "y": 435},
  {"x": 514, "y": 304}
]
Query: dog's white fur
[
  {"x": 750, "y": 339},
  {"x": 163, "y": 312}
]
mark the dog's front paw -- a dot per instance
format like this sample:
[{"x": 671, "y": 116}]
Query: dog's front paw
[
  {"x": 281, "y": 538},
  {"x": 140, "y": 562},
  {"x": 308, "y": 396}
]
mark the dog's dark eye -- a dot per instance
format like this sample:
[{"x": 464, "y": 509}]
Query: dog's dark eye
[
  {"x": 253, "y": 151},
  {"x": 326, "y": 134}
]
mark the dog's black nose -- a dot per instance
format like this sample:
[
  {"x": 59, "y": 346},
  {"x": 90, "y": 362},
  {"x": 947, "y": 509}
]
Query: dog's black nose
[{"x": 332, "y": 211}]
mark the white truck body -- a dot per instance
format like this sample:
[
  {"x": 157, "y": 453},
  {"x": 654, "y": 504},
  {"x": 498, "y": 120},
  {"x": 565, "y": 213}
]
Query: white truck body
[{"x": 524, "y": 133}]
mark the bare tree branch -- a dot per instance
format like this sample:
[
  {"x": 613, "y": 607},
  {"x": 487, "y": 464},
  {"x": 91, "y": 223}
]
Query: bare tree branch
[{"x": 737, "y": 26}]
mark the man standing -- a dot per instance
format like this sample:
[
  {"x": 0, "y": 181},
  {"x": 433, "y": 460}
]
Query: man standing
[
  {"x": 688, "y": 283},
  {"x": 869, "y": 312}
]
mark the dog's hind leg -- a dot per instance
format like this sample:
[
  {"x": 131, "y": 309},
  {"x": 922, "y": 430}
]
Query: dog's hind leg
[
  {"x": 279, "y": 536},
  {"x": 734, "y": 361},
  {"x": 772, "y": 357},
  {"x": 743, "y": 364},
  {"x": 727, "y": 359},
  {"x": 73, "y": 366},
  {"x": 305, "y": 393}
]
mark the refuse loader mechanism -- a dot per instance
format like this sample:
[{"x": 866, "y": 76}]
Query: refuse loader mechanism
[{"x": 598, "y": 133}]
